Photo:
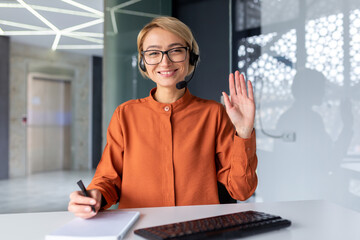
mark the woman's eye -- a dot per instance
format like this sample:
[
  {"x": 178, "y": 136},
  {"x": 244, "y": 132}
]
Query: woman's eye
[
  {"x": 179, "y": 50},
  {"x": 153, "y": 54}
]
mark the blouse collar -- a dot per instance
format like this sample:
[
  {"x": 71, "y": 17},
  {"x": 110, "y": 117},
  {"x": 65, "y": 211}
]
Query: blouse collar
[{"x": 167, "y": 107}]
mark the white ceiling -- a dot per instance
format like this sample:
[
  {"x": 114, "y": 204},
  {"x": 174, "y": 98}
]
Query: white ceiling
[{"x": 61, "y": 25}]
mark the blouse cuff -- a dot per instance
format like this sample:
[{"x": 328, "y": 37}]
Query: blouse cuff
[{"x": 245, "y": 144}]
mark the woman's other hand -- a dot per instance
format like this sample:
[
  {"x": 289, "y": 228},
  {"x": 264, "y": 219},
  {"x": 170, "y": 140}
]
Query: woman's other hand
[{"x": 81, "y": 205}]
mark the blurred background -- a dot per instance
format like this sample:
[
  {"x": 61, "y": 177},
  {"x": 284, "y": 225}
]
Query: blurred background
[{"x": 65, "y": 65}]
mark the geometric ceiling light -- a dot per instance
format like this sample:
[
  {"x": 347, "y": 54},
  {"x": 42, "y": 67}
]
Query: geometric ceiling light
[
  {"x": 44, "y": 20},
  {"x": 89, "y": 39},
  {"x": 55, "y": 9},
  {"x": 119, "y": 9},
  {"x": 84, "y": 7}
]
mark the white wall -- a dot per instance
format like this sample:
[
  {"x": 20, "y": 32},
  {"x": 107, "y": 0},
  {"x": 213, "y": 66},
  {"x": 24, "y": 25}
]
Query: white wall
[{"x": 307, "y": 86}]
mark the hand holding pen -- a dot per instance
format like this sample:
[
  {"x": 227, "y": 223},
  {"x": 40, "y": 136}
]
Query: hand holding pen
[
  {"x": 85, "y": 204},
  {"x": 84, "y": 192}
]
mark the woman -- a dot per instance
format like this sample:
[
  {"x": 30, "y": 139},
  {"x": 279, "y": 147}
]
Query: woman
[{"x": 171, "y": 148}]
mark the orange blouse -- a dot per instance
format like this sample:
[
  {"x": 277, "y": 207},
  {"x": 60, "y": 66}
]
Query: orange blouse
[{"x": 161, "y": 154}]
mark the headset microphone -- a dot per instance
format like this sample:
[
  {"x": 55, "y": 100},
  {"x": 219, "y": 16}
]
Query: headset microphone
[
  {"x": 182, "y": 84},
  {"x": 193, "y": 61}
]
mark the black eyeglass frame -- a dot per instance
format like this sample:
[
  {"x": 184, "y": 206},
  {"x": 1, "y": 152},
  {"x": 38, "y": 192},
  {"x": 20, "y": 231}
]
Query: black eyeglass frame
[{"x": 163, "y": 53}]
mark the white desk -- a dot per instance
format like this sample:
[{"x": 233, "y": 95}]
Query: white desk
[{"x": 310, "y": 220}]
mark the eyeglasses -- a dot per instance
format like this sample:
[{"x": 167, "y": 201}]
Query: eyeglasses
[{"x": 175, "y": 55}]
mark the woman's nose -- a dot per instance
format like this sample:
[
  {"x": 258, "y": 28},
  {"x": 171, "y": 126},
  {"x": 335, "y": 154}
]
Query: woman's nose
[{"x": 165, "y": 60}]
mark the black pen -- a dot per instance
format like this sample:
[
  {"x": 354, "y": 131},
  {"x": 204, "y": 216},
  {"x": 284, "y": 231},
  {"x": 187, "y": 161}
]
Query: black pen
[{"x": 83, "y": 189}]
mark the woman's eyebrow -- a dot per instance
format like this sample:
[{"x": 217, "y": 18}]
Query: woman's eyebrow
[
  {"x": 176, "y": 44},
  {"x": 153, "y": 46},
  {"x": 169, "y": 46}
]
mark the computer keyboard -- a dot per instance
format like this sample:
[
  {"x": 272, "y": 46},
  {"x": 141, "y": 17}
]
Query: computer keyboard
[{"x": 234, "y": 225}]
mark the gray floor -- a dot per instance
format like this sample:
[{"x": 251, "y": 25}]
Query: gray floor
[{"x": 42, "y": 192}]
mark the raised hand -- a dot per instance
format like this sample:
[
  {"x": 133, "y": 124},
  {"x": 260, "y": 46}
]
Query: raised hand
[{"x": 240, "y": 106}]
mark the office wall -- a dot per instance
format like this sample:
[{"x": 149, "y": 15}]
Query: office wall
[
  {"x": 25, "y": 59},
  {"x": 209, "y": 22},
  {"x": 4, "y": 107}
]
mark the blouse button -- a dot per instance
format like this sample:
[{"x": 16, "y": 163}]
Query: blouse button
[{"x": 167, "y": 108}]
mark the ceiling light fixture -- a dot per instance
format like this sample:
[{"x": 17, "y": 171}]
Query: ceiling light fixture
[
  {"x": 80, "y": 46},
  {"x": 10, "y": 5},
  {"x": 113, "y": 9},
  {"x": 86, "y": 8},
  {"x": 22, "y": 25},
  {"x": 45, "y": 21},
  {"x": 136, "y": 13},
  {"x": 28, "y": 33},
  {"x": 84, "y": 25},
  {"x": 51, "y": 9},
  {"x": 118, "y": 8},
  {"x": 65, "y": 11},
  {"x": 56, "y": 41},
  {"x": 86, "y": 34},
  {"x": 95, "y": 39},
  {"x": 89, "y": 39}
]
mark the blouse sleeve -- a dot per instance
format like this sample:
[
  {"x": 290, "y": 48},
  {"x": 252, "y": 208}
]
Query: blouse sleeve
[
  {"x": 236, "y": 159},
  {"x": 108, "y": 173}
]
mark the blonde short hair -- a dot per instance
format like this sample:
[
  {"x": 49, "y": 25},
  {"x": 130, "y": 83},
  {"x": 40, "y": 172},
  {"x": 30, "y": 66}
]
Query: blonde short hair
[{"x": 172, "y": 25}]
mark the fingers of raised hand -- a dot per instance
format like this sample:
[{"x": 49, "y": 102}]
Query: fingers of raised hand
[
  {"x": 232, "y": 85},
  {"x": 250, "y": 90},
  {"x": 242, "y": 85},
  {"x": 227, "y": 101},
  {"x": 237, "y": 84}
]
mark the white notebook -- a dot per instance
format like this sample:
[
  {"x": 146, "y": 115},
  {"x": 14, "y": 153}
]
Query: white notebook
[{"x": 107, "y": 225}]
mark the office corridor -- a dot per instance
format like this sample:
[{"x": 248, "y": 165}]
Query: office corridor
[{"x": 40, "y": 192}]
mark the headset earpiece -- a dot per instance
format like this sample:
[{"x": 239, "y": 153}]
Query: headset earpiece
[
  {"x": 142, "y": 65},
  {"x": 193, "y": 58}
]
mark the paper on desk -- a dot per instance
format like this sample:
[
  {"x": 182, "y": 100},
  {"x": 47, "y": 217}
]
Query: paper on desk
[{"x": 109, "y": 225}]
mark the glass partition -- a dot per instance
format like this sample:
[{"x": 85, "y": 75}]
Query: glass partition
[
  {"x": 303, "y": 59},
  {"x": 122, "y": 80}
]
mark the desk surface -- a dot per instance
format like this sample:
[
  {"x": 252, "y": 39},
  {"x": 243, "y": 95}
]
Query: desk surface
[{"x": 310, "y": 220}]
